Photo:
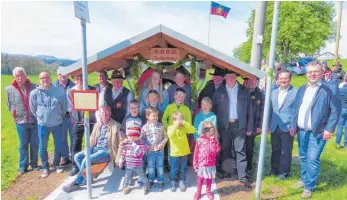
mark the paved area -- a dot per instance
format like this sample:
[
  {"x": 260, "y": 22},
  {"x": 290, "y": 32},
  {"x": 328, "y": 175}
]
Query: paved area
[{"x": 109, "y": 186}]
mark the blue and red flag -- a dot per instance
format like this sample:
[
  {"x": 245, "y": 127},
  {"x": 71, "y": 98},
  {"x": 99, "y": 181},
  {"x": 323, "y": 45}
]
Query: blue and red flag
[{"x": 218, "y": 9}]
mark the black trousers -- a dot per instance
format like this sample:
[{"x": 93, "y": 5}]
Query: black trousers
[
  {"x": 281, "y": 157},
  {"x": 78, "y": 140},
  {"x": 233, "y": 136},
  {"x": 249, "y": 151}
]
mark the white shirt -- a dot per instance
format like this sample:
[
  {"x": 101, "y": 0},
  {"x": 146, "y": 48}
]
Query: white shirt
[
  {"x": 281, "y": 96},
  {"x": 342, "y": 84},
  {"x": 306, "y": 102},
  {"x": 101, "y": 102},
  {"x": 232, "y": 94}
]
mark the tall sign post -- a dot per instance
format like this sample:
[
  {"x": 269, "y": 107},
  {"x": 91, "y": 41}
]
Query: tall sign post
[
  {"x": 82, "y": 12},
  {"x": 272, "y": 57}
]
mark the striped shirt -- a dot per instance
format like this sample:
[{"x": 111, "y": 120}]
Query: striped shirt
[{"x": 132, "y": 154}]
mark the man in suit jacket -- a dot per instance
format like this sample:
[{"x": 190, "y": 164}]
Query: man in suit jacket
[
  {"x": 233, "y": 108},
  {"x": 314, "y": 117},
  {"x": 101, "y": 88},
  {"x": 282, "y": 101}
]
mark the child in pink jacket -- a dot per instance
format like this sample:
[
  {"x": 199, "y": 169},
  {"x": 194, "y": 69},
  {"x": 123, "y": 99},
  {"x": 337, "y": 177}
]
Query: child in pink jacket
[{"x": 205, "y": 154}]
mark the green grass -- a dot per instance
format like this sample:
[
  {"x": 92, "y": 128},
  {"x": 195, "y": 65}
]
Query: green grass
[{"x": 333, "y": 178}]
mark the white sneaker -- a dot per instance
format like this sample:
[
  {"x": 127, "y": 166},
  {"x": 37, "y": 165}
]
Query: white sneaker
[
  {"x": 45, "y": 173},
  {"x": 58, "y": 169}
]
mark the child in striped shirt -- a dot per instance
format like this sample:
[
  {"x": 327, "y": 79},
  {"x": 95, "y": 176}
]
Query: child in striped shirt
[{"x": 133, "y": 150}]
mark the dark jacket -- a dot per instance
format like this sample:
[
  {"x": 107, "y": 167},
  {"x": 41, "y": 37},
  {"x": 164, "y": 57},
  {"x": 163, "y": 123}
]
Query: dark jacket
[
  {"x": 338, "y": 74},
  {"x": 119, "y": 105},
  {"x": 258, "y": 109},
  {"x": 343, "y": 96},
  {"x": 208, "y": 91},
  {"x": 244, "y": 107},
  {"x": 17, "y": 102}
]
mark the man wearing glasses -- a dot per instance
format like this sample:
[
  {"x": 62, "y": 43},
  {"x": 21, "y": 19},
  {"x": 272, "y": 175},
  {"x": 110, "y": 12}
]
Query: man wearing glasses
[
  {"x": 48, "y": 105},
  {"x": 314, "y": 118}
]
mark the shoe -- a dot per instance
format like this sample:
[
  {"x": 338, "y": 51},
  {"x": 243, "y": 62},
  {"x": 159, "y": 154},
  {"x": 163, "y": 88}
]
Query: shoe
[
  {"x": 173, "y": 186},
  {"x": 197, "y": 196},
  {"x": 22, "y": 171},
  {"x": 150, "y": 185},
  {"x": 70, "y": 187},
  {"x": 183, "y": 187},
  {"x": 73, "y": 171},
  {"x": 210, "y": 195},
  {"x": 337, "y": 145},
  {"x": 247, "y": 184},
  {"x": 85, "y": 182},
  {"x": 161, "y": 187},
  {"x": 139, "y": 183},
  {"x": 126, "y": 190},
  {"x": 45, "y": 173},
  {"x": 35, "y": 168},
  {"x": 58, "y": 170},
  {"x": 145, "y": 190},
  {"x": 64, "y": 162},
  {"x": 306, "y": 194},
  {"x": 298, "y": 185}
]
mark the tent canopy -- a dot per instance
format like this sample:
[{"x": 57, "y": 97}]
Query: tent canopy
[{"x": 121, "y": 54}]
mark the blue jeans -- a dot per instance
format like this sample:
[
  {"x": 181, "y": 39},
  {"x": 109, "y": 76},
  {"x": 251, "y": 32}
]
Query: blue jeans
[
  {"x": 97, "y": 155},
  {"x": 128, "y": 176},
  {"x": 342, "y": 124},
  {"x": 27, "y": 134},
  {"x": 310, "y": 150},
  {"x": 156, "y": 160},
  {"x": 44, "y": 132},
  {"x": 67, "y": 126},
  {"x": 178, "y": 165}
]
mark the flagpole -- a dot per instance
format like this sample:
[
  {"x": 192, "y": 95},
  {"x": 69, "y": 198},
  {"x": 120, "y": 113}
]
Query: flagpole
[{"x": 209, "y": 25}]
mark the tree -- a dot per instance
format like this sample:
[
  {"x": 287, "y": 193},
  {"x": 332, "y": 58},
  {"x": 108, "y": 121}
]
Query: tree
[{"x": 304, "y": 28}]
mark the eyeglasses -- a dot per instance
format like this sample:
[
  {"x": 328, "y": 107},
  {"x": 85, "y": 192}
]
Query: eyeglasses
[
  {"x": 314, "y": 72},
  {"x": 134, "y": 108}
]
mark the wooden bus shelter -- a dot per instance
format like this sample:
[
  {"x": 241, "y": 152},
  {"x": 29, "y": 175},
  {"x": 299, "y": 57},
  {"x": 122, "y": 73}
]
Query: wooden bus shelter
[{"x": 160, "y": 43}]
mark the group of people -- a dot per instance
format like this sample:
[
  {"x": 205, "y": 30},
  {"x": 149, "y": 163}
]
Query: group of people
[{"x": 157, "y": 131}]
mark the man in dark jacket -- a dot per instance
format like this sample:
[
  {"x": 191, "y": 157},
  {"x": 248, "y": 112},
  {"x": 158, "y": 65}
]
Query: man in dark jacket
[
  {"x": 65, "y": 83},
  {"x": 338, "y": 72},
  {"x": 258, "y": 110},
  {"x": 233, "y": 108},
  {"x": 118, "y": 97},
  {"x": 212, "y": 85},
  {"x": 101, "y": 88},
  {"x": 17, "y": 102},
  {"x": 77, "y": 120}
]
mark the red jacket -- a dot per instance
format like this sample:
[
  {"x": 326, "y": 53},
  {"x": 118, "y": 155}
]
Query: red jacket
[{"x": 206, "y": 150}]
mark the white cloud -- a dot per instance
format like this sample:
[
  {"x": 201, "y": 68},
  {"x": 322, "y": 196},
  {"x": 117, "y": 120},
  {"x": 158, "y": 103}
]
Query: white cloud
[{"x": 50, "y": 28}]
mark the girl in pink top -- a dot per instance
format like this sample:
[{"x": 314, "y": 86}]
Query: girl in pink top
[{"x": 205, "y": 154}]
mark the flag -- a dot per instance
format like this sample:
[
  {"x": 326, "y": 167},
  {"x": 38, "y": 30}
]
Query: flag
[{"x": 218, "y": 9}]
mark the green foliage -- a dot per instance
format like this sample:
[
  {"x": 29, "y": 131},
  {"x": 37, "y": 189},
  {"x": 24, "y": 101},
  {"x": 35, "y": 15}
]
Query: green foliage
[{"x": 303, "y": 28}]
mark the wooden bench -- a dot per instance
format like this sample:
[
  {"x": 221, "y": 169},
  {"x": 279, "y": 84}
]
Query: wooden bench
[{"x": 96, "y": 169}]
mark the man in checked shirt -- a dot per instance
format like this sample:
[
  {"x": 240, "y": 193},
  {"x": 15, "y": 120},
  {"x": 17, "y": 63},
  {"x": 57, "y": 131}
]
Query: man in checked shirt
[{"x": 104, "y": 142}]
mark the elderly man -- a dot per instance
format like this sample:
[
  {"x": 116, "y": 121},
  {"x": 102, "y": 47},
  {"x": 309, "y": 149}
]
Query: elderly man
[
  {"x": 77, "y": 120},
  {"x": 17, "y": 102},
  {"x": 104, "y": 142},
  {"x": 48, "y": 105},
  {"x": 64, "y": 82},
  {"x": 118, "y": 97},
  {"x": 257, "y": 120},
  {"x": 314, "y": 117},
  {"x": 101, "y": 88},
  {"x": 212, "y": 85},
  {"x": 233, "y": 107},
  {"x": 282, "y": 101}
]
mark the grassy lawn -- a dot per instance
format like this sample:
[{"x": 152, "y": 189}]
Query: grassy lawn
[{"x": 332, "y": 182}]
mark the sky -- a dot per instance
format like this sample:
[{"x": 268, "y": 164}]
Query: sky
[{"x": 51, "y": 28}]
